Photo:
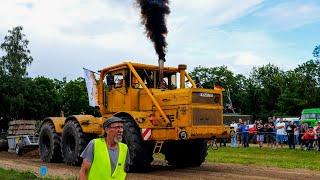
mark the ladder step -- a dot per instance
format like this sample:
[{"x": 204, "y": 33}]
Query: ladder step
[{"x": 158, "y": 147}]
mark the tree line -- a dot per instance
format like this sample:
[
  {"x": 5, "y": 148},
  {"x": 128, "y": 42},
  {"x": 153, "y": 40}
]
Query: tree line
[
  {"x": 23, "y": 97},
  {"x": 268, "y": 90}
]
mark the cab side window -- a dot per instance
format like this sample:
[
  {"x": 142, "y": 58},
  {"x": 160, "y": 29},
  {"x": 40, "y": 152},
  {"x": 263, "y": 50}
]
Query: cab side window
[{"x": 118, "y": 80}]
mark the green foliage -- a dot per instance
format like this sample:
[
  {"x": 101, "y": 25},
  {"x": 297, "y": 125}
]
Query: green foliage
[
  {"x": 13, "y": 98},
  {"x": 213, "y": 76},
  {"x": 75, "y": 98},
  {"x": 316, "y": 52},
  {"x": 245, "y": 95},
  {"x": 22, "y": 97},
  {"x": 13, "y": 69},
  {"x": 222, "y": 76},
  {"x": 301, "y": 89},
  {"x": 284, "y": 158},
  {"x": 291, "y": 101},
  {"x": 17, "y": 55},
  {"x": 43, "y": 98},
  {"x": 268, "y": 81},
  {"x": 268, "y": 90}
]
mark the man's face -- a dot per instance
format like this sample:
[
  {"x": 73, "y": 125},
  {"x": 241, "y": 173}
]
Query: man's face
[{"x": 115, "y": 131}]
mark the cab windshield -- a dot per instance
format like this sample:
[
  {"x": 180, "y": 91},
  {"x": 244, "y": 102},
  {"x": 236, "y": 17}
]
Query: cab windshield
[{"x": 151, "y": 78}]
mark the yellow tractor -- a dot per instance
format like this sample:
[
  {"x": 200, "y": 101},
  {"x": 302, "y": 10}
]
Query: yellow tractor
[{"x": 164, "y": 112}]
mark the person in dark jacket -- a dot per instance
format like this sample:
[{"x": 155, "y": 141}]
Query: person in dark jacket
[
  {"x": 260, "y": 133},
  {"x": 290, "y": 133},
  {"x": 245, "y": 134}
]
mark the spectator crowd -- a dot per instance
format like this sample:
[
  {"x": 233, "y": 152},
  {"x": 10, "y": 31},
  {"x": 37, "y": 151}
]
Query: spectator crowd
[{"x": 275, "y": 133}]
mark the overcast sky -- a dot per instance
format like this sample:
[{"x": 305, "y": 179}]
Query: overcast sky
[{"x": 67, "y": 35}]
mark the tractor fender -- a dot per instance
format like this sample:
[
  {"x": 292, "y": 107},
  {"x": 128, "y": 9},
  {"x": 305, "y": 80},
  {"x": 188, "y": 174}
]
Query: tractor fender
[
  {"x": 88, "y": 123},
  {"x": 58, "y": 123}
]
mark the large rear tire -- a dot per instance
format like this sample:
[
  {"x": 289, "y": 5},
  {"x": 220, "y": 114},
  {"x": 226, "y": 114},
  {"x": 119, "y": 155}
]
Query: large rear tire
[
  {"x": 73, "y": 143},
  {"x": 49, "y": 143},
  {"x": 140, "y": 152},
  {"x": 190, "y": 153}
]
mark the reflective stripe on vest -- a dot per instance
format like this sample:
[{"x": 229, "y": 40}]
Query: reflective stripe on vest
[{"x": 101, "y": 165}]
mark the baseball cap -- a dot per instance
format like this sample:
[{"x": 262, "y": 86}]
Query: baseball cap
[{"x": 111, "y": 120}]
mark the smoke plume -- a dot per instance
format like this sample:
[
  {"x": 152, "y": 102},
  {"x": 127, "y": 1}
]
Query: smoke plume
[{"x": 153, "y": 13}]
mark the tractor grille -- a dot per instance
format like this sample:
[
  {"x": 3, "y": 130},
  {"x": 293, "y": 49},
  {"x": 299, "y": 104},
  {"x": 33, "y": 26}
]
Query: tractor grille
[
  {"x": 207, "y": 117},
  {"x": 205, "y": 98}
]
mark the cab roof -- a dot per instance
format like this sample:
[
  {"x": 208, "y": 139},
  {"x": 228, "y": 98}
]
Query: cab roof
[{"x": 138, "y": 66}]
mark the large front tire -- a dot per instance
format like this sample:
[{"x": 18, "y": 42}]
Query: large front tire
[
  {"x": 73, "y": 143},
  {"x": 49, "y": 143},
  {"x": 190, "y": 153},
  {"x": 140, "y": 152}
]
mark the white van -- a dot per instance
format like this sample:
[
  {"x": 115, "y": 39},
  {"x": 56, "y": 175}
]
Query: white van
[{"x": 293, "y": 120}]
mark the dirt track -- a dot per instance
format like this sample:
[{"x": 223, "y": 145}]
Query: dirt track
[{"x": 160, "y": 170}]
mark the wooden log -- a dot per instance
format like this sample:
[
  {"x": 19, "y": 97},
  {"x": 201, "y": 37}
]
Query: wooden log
[
  {"x": 22, "y": 127},
  {"x": 22, "y": 122},
  {"x": 21, "y": 132}
]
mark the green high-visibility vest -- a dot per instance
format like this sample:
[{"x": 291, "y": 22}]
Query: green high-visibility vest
[{"x": 101, "y": 165}]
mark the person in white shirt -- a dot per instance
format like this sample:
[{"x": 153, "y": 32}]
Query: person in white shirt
[
  {"x": 234, "y": 125},
  {"x": 281, "y": 132},
  {"x": 234, "y": 130}
]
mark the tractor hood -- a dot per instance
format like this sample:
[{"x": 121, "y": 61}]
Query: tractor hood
[{"x": 186, "y": 96}]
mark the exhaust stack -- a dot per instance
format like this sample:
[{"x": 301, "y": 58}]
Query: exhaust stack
[{"x": 161, "y": 81}]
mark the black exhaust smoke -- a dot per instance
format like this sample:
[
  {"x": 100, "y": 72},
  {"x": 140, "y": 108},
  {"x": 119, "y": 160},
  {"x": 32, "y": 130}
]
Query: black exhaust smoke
[{"x": 153, "y": 13}]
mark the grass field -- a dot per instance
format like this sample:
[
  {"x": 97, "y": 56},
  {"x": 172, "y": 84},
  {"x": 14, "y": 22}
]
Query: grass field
[
  {"x": 17, "y": 175},
  {"x": 11, "y": 174},
  {"x": 284, "y": 158}
]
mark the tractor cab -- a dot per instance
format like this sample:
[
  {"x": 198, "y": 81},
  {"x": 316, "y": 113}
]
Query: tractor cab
[
  {"x": 120, "y": 86},
  {"x": 125, "y": 78}
]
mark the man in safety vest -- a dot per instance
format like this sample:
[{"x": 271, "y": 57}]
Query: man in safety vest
[{"x": 105, "y": 158}]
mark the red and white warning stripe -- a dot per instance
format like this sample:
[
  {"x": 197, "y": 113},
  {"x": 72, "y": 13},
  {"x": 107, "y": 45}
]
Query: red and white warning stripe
[{"x": 146, "y": 134}]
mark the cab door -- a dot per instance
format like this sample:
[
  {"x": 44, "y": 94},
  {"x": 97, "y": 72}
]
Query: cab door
[{"x": 117, "y": 92}]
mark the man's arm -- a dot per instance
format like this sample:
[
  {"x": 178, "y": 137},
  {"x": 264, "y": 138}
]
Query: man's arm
[
  {"x": 279, "y": 126},
  {"x": 85, "y": 167},
  {"x": 87, "y": 156}
]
